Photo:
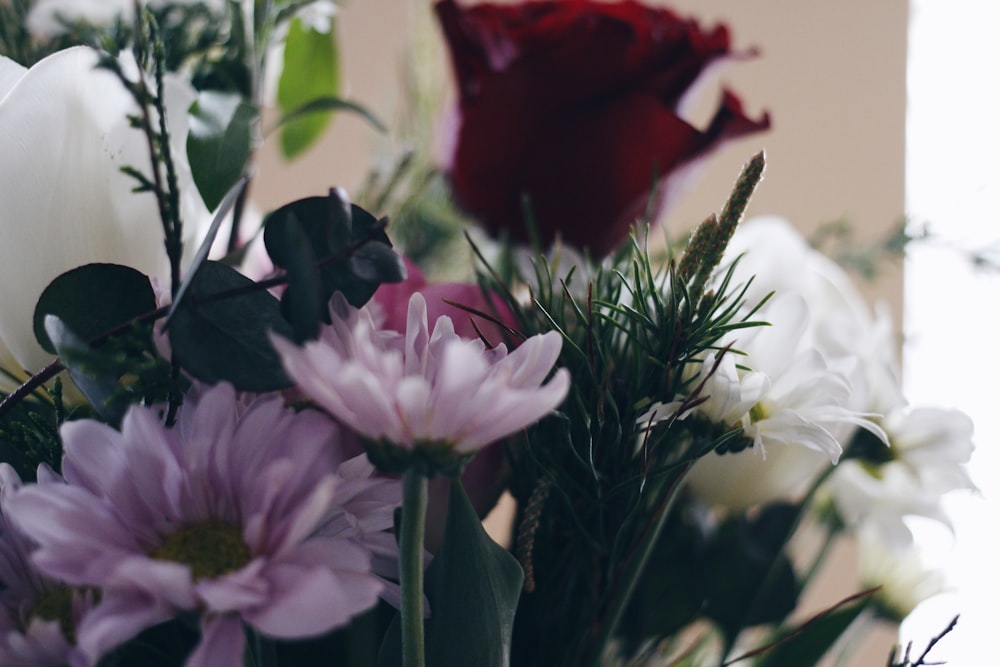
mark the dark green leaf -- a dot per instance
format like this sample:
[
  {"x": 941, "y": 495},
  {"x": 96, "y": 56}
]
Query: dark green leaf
[
  {"x": 206, "y": 245},
  {"x": 102, "y": 391},
  {"x": 310, "y": 71},
  {"x": 377, "y": 263},
  {"x": 749, "y": 579},
  {"x": 227, "y": 339},
  {"x": 92, "y": 300},
  {"x": 816, "y": 638},
  {"x": 302, "y": 302},
  {"x": 473, "y": 586},
  {"x": 352, "y": 252},
  {"x": 219, "y": 142}
]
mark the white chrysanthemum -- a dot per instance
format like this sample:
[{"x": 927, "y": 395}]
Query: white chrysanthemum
[
  {"x": 898, "y": 569},
  {"x": 425, "y": 390},
  {"x": 841, "y": 325},
  {"x": 796, "y": 424},
  {"x": 929, "y": 449},
  {"x": 724, "y": 395}
]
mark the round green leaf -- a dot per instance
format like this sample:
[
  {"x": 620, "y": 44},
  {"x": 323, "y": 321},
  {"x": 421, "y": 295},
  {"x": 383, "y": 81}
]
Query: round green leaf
[
  {"x": 93, "y": 299},
  {"x": 226, "y": 338}
]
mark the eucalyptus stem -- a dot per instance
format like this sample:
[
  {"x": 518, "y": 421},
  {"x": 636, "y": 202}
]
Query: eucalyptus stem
[{"x": 411, "y": 566}]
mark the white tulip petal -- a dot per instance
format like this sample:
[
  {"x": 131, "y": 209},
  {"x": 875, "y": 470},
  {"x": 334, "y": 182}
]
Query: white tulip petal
[{"x": 66, "y": 203}]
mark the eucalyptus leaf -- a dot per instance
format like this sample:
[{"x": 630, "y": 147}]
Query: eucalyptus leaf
[
  {"x": 473, "y": 587},
  {"x": 302, "y": 302},
  {"x": 226, "y": 338},
  {"x": 219, "y": 142},
  {"x": 351, "y": 250},
  {"x": 206, "y": 245},
  {"x": 93, "y": 299},
  {"x": 377, "y": 263},
  {"x": 311, "y": 71},
  {"x": 102, "y": 391}
]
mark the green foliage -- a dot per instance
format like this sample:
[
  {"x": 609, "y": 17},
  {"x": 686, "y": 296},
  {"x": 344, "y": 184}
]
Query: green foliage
[
  {"x": 311, "y": 71},
  {"x": 632, "y": 335},
  {"x": 866, "y": 259},
  {"x": 93, "y": 300},
  {"x": 473, "y": 587},
  {"x": 220, "y": 332},
  {"x": 29, "y": 434},
  {"x": 100, "y": 388},
  {"x": 328, "y": 245},
  {"x": 748, "y": 578},
  {"x": 219, "y": 142}
]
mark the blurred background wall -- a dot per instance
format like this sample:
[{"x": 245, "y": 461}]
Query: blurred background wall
[{"x": 831, "y": 74}]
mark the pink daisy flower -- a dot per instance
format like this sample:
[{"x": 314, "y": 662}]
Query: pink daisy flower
[
  {"x": 38, "y": 616},
  {"x": 241, "y": 514},
  {"x": 424, "y": 398}
]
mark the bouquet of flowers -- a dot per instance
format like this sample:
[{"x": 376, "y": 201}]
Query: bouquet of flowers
[{"x": 232, "y": 439}]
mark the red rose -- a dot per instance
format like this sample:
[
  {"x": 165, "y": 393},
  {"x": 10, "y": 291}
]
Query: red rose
[{"x": 573, "y": 104}]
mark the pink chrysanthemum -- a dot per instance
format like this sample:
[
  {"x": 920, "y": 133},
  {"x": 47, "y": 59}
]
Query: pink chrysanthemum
[
  {"x": 38, "y": 616},
  {"x": 436, "y": 393},
  {"x": 240, "y": 514}
]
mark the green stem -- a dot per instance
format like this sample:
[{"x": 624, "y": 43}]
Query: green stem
[
  {"x": 636, "y": 565},
  {"x": 772, "y": 574},
  {"x": 411, "y": 566},
  {"x": 264, "y": 650}
]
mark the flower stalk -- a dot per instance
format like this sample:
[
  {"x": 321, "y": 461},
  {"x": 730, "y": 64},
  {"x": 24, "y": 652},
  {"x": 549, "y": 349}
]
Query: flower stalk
[{"x": 411, "y": 566}]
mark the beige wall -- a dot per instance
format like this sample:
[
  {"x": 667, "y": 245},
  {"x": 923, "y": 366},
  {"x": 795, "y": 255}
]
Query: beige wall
[{"x": 832, "y": 74}]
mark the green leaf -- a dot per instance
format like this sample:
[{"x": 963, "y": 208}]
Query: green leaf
[
  {"x": 473, "y": 586},
  {"x": 219, "y": 142},
  {"x": 226, "y": 338},
  {"x": 93, "y": 299},
  {"x": 206, "y": 245},
  {"x": 302, "y": 303},
  {"x": 311, "y": 71},
  {"x": 815, "y": 639},
  {"x": 749, "y": 579},
  {"x": 377, "y": 263},
  {"x": 351, "y": 250},
  {"x": 102, "y": 391}
]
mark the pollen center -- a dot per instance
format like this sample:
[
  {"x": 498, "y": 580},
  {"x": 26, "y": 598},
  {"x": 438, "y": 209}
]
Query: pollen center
[
  {"x": 57, "y": 605},
  {"x": 211, "y": 548},
  {"x": 758, "y": 413}
]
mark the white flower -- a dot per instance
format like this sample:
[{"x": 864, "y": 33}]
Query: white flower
[
  {"x": 929, "y": 448},
  {"x": 64, "y": 135},
  {"x": 840, "y": 326},
  {"x": 904, "y": 580},
  {"x": 724, "y": 395},
  {"x": 797, "y": 424}
]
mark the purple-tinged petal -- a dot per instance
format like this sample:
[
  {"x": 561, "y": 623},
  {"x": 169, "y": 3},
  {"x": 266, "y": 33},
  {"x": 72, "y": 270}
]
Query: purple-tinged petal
[
  {"x": 120, "y": 616},
  {"x": 222, "y": 643},
  {"x": 307, "y": 602}
]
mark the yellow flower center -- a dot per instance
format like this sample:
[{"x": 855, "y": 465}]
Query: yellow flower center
[
  {"x": 211, "y": 549},
  {"x": 758, "y": 413},
  {"x": 57, "y": 605}
]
